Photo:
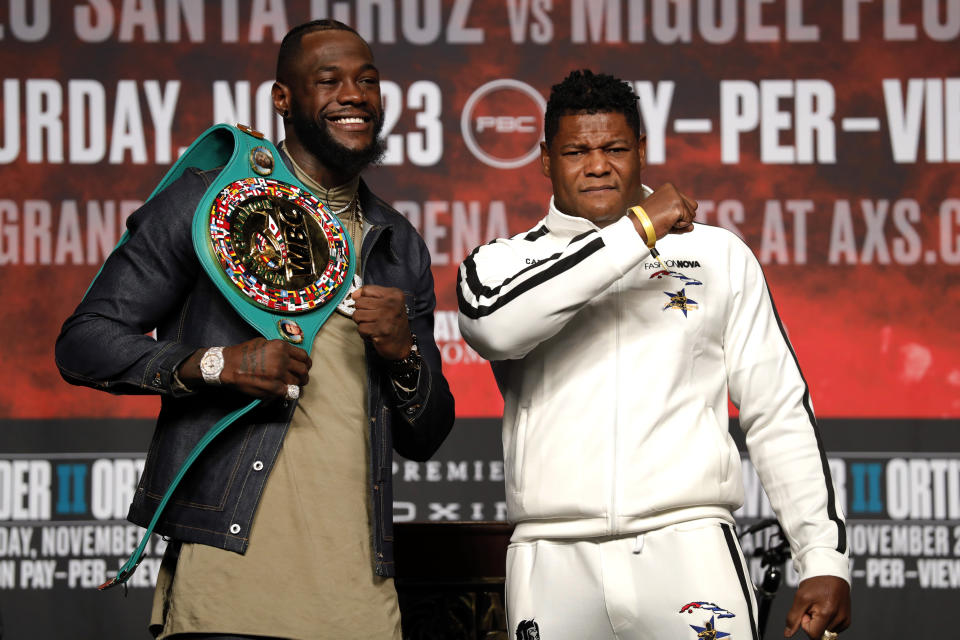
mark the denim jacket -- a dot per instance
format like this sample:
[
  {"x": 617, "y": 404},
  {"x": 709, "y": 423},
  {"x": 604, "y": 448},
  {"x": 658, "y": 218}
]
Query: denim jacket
[{"x": 154, "y": 280}]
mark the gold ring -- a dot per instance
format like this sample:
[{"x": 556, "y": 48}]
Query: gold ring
[{"x": 829, "y": 635}]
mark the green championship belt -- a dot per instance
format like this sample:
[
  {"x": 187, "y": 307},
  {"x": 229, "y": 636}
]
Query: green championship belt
[{"x": 275, "y": 253}]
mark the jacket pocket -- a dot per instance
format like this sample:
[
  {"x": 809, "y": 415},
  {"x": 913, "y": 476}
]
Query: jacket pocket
[
  {"x": 519, "y": 446},
  {"x": 683, "y": 462}
]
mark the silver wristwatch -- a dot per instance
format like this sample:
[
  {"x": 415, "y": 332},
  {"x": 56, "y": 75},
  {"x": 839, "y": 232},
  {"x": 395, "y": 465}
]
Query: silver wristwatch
[{"x": 211, "y": 365}]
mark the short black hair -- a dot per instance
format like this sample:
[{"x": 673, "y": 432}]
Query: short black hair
[
  {"x": 584, "y": 91},
  {"x": 290, "y": 45}
]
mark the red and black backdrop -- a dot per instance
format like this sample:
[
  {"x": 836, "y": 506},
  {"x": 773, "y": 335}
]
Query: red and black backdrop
[{"x": 826, "y": 134}]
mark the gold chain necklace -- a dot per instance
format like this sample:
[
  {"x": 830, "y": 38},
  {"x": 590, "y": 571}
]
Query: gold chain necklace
[
  {"x": 355, "y": 222},
  {"x": 356, "y": 225}
]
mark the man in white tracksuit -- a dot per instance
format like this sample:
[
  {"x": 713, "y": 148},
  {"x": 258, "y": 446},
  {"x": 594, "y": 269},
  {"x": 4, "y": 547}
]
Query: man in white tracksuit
[{"x": 615, "y": 372}]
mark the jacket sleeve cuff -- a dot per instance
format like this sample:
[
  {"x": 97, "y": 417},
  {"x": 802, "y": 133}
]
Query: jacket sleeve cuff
[
  {"x": 161, "y": 370},
  {"x": 823, "y": 562},
  {"x": 627, "y": 248}
]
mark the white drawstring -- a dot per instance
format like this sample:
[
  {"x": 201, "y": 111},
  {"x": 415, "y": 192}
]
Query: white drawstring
[{"x": 638, "y": 544}]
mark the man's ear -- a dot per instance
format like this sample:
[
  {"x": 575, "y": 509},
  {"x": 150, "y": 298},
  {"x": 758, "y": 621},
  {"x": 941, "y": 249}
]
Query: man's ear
[
  {"x": 281, "y": 99},
  {"x": 642, "y": 150},
  {"x": 544, "y": 159}
]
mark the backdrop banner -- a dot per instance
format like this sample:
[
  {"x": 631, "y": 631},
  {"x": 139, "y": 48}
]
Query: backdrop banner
[{"x": 826, "y": 134}]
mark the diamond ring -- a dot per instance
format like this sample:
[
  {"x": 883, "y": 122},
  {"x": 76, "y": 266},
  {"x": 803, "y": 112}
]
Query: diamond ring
[
  {"x": 293, "y": 391},
  {"x": 829, "y": 635}
]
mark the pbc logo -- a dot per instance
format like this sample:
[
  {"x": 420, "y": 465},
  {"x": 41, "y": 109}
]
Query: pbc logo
[
  {"x": 502, "y": 123},
  {"x": 507, "y": 124}
]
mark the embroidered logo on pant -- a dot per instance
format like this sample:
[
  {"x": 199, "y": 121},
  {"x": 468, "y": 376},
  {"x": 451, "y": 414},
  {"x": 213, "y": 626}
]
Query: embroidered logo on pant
[
  {"x": 708, "y": 632},
  {"x": 709, "y": 629},
  {"x": 706, "y": 606},
  {"x": 528, "y": 630}
]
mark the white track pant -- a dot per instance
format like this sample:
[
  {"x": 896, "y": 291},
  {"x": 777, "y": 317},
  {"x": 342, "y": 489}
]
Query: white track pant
[{"x": 681, "y": 582}]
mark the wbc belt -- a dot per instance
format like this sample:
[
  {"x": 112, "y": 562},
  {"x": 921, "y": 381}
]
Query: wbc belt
[{"x": 275, "y": 253}]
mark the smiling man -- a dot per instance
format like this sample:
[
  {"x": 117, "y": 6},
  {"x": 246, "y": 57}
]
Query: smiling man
[
  {"x": 615, "y": 366},
  {"x": 282, "y": 528}
]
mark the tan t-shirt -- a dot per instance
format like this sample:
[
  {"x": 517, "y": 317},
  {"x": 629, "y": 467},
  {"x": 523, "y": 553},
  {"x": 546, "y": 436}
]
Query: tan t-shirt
[{"x": 308, "y": 571}]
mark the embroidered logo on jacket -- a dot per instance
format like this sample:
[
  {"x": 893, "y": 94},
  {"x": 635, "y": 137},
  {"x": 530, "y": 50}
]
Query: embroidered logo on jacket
[
  {"x": 676, "y": 274},
  {"x": 678, "y": 264},
  {"x": 680, "y": 301},
  {"x": 528, "y": 630}
]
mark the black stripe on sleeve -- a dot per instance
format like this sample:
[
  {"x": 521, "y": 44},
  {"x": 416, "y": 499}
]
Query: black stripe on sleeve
[
  {"x": 745, "y": 585},
  {"x": 539, "y": 232},
  {"x": 558, "y": 267},
  {"x": 477, "y": 288},
  {"x": 831, "y": 498}
]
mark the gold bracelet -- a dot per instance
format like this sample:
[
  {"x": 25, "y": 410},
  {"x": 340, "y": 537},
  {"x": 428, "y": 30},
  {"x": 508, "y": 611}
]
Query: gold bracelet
[{"x": 646, "y": 224}]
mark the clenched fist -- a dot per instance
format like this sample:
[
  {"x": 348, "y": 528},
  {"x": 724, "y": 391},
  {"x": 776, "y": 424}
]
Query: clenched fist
[
  {"x": 381, "y": 317},
  {"x": 669, "y": 210}
]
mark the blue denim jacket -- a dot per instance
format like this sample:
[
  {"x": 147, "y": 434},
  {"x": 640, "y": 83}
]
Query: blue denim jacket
[{"x": 154, "y": 280}]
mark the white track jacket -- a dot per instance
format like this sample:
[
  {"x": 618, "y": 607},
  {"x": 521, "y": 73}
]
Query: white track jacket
[{"x": 615, "y": 375}]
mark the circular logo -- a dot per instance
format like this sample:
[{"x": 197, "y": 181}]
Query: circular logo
[
  {"x": 290, "y": 331},
  {"x": 502, "y": 123},
  {"x": 261, "y": 160},
  {"x": 278, "y": 244}
]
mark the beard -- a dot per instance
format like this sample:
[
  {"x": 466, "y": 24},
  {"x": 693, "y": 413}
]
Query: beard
[{"x": 316, "y": 137}]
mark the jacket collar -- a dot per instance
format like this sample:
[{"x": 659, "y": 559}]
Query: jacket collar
[
  {"x": 374, "y": 209},
  {"x": 381, "y": 227},
  {"x": 563, "y": 224}
]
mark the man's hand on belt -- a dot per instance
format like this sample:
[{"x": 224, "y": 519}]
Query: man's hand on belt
[{"x": 260, "y": 368}]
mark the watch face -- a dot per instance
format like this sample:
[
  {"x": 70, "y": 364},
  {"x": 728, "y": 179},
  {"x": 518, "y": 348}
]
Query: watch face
[
  {"x": 211, "y": 363},
  {"x": 278, "y": 244}
]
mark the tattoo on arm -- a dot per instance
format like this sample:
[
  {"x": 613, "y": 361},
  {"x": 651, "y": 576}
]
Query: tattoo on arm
[
  {"x": 257, "y": 360},
  {"x": 245, "y": 364}
]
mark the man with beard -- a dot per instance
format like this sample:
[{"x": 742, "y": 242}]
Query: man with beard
[{"x": 282, "y": 528}]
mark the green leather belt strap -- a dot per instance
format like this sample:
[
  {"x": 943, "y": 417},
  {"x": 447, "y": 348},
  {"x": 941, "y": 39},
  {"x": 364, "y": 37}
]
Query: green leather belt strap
[
  {"x": 128, "y": 567},
  {"x": 280, "y": 259}
]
